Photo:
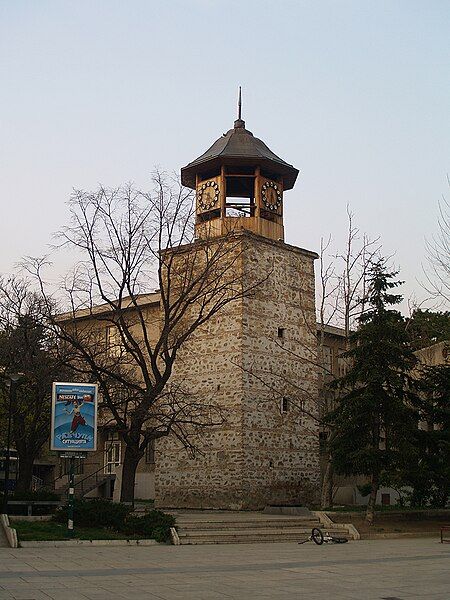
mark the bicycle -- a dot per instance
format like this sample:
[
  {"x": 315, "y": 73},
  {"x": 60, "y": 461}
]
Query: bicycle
[{"x": 319, "y": 537}]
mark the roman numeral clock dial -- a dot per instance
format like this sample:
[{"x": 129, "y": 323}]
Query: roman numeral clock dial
[
  {"x": 271, "y": 196},
  {"x": 207, "y": 195}
]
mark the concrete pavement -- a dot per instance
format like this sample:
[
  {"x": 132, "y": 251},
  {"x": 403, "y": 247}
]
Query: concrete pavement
[{"x": 410, "y": 569}]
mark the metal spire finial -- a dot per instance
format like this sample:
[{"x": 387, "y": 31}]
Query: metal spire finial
[
  {"x": 239, "y": 123},
  {"x": 240, "y": 103}
]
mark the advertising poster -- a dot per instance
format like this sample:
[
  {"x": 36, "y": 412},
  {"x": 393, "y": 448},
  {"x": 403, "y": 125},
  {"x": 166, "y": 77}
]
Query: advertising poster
[{"x": 74, "y": 417}]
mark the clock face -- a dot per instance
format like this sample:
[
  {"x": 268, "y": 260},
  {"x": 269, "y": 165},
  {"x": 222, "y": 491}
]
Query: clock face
[
  {"x": 271, "y": 195},
  {"x": 207, "y": 195}
]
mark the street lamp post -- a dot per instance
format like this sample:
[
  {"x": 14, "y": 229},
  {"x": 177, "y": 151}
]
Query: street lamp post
[{"x": 14, "y": 378}]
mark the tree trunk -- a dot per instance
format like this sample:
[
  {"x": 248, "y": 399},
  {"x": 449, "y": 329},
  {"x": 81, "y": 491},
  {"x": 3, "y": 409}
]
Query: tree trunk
[
  {"x": 131, "y": 458},
  {"x": 327, "y": 484},
  {"x": 370, "y": 512},
  {"x": 26, "y": 458},
  {"x": 25, "y": 472}
]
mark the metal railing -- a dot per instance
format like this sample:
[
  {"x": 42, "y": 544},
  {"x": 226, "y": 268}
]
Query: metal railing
[
  {"x": 97, "y": 478},
  {"x": 53, "y": 487},
  {"x": 36, "y": 483}
]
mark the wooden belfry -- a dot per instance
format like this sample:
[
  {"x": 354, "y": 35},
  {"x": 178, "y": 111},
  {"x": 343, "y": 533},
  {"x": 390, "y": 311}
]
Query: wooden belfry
[{"x": 239, "y": 184}]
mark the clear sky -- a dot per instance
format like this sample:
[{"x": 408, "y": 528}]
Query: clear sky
[{"x": 355, "y": 94}]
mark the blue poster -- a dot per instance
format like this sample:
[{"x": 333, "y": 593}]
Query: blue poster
[{"x": 74, "y": 417}]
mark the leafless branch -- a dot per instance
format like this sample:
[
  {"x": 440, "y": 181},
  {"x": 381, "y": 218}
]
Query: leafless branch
[{"x": 125, "y": 336}]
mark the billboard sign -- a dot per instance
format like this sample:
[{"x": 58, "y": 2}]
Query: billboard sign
[{"x": 74, "y": 417}]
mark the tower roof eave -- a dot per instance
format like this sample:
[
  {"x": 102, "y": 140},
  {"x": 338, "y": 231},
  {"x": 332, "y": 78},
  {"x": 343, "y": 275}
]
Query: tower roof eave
[{"x": 239, "y": 147}]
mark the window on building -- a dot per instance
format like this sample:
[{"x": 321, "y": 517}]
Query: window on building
[
  {"x": 114, "y": 345},
  {"x": 385, "y": 499},
  {"x": 327, "y": 360},
  {"x": 150, "y": 453},
  {"x": 112, "y": 452},
  {"x": 284, "y": 405},
  {"x": 342, "y": 364}
]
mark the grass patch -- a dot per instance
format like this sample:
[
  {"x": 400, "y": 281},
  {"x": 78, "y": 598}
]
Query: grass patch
[
  {"x": 99, "y": 519},
  {"x": 391, "y": 523},
  {"x": 380, "y": 508},
  {"x": 51, "y": 531}
]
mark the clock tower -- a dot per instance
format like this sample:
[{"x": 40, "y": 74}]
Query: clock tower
[
  {"x": 257, "y": 358},
  {"x": 239, "y": 184}
]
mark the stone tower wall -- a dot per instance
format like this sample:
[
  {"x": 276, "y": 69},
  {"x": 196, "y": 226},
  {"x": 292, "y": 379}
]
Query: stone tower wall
[
  {"x": 259, "y": 455},
  {"x": 206, "y": 367},
  {"x": 281, "y": 449}
]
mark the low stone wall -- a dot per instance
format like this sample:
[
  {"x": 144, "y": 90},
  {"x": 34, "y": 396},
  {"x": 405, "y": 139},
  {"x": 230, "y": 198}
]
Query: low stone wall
[
  {"x": 327, "y": 522},
  {"x": 31, "y": 518},
  {"x": 419, "y": 514},
  {"x": 10, "y": 533}
]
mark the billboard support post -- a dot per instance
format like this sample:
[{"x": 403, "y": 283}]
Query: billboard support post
[
  {"x": 71, "y": 456},
  {"x": 71, "y": 496}
]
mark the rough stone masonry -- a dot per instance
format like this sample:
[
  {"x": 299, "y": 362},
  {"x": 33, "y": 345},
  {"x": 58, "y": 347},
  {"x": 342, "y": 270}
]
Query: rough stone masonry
[{"x": 257, "y": 359}]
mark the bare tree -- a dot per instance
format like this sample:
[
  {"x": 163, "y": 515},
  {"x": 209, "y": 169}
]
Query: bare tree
[
  {"x": 437, "y": 276},
  {"x": 328, "y": 302},
  {"x": 124, "y": 337},
  {"x": 353, "y": 265},
  {"x": 341, "y": 301}
]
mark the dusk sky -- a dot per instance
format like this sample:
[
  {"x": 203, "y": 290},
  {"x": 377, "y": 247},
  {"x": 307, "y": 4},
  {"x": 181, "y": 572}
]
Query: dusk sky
[{"x": 355, "y": 94}]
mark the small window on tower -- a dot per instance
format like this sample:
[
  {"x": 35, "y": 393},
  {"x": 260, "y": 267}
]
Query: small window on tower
[
  {"x": 281, "y": 332},
  {"x": 323, "y": 437},
  {"x": 284, "y": 405},
  {"x": 150, "y": 453}
]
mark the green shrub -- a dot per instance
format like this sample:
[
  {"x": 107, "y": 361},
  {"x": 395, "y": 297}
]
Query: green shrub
[
  {"x": 97, "y": 512},
  {"x": 155, "y": 525}
]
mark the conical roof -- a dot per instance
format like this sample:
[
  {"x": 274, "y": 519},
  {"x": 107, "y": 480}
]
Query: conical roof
[{"x": 239, "y": 147}]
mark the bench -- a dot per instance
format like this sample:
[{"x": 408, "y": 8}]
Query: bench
[{"x": 30, "y": 503}]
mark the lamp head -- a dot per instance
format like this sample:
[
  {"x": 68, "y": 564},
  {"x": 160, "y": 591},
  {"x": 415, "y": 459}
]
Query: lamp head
[{"x": 16, "y": 376}]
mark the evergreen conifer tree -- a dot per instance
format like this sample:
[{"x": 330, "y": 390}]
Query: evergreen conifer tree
[
  {"x": 375, "y": 419},
  {"x": 429, "y": 475}
]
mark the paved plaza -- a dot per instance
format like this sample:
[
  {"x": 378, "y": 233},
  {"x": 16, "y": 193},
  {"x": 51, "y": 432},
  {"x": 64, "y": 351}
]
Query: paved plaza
[{"x": 363, "y": 570}]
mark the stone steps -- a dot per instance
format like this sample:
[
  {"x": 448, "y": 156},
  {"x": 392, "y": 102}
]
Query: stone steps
[
  {"x": 250, "y": 529},
  {"x": 256, "y": 524},
  {"x": 250, "y": 535}
]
